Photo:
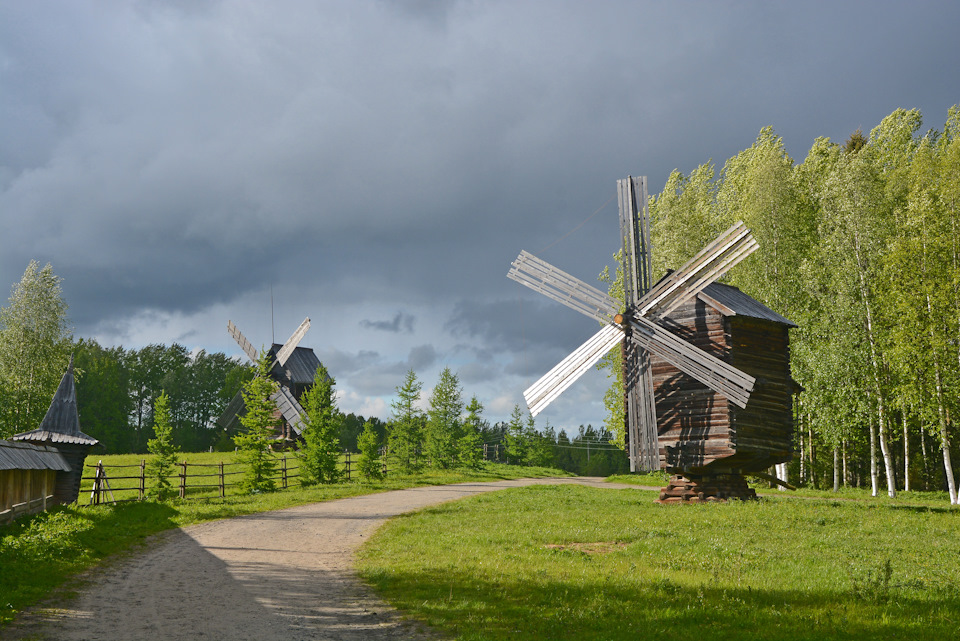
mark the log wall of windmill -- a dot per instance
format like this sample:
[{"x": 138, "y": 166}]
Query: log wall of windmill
[
  {"x": 697, "y": 427},
  {"x": 693, "y": 422},
  {"x": 764, "y": 429}
]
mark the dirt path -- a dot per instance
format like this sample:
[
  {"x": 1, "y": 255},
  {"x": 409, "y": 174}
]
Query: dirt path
[{"x": 275, "y": 576}]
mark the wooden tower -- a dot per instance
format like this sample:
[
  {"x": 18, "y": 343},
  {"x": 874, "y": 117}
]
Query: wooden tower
[{"x": 60, "y": 429}]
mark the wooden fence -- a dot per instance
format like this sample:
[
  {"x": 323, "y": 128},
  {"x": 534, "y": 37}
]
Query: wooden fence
[{"x": 209, "y": 480}]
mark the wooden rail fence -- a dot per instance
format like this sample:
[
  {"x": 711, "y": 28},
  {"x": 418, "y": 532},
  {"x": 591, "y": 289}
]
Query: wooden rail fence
[{"x": 210, "y": 480}]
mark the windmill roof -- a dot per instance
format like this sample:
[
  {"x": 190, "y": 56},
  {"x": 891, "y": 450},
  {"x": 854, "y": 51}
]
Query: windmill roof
[
  {"x": 301, "y": 367},
  {"x": 61, "y": 424},
  {"x": 27, "y": 456},
  {"x": 730, "y": 301}
]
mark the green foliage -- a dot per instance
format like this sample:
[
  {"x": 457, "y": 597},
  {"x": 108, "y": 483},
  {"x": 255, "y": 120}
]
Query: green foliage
[
  {"x": 259, "y": 423},
  {"x": 580, "y": 558},
  {"x": 34, "y": 349},
  {"x": 102, "y": 384},
  {"x": 470, "y": 444},
  {"x": 320, "y": 452},
  {"x": 162, "y": 466},
  {"x": 518, "y": 440},
  {"x": 859, "y": 246},
  {"x": 405, "y": 432},
  {"x": 443, "y": 428},
  {"x": 371, "y": 467}
]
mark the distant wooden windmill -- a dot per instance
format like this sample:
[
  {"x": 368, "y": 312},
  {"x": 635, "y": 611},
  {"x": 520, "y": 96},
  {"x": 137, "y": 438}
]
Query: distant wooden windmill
[
  {"x": 294, "y": 369},
  {"x": 678, "y": 359}
]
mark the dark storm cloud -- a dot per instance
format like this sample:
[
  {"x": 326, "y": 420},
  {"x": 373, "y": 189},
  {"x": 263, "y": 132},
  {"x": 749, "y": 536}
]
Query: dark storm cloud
[
  {"x": 370, "y": 156},
  {"x": 401, "y": 322}
]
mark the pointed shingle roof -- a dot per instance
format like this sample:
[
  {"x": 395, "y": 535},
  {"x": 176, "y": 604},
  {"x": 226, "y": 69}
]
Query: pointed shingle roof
[{"x": 61, "y": 424}]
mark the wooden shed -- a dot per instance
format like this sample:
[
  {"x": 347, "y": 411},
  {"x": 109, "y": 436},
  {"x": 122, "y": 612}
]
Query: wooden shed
[
  {"x": 706, "y": 441},
  {"x": 28, "y": 476},
  {"x": 60, "y": 429}
]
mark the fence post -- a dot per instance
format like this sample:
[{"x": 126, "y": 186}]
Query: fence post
[
  {"x": 143, "y": 478},
  {"x": 283, "y": 467},
  {"x": 98, "y": 475},
  {"x": 183, "y": 480},
  {"x": 223, "y": 488},
  {"x": 346, "y": 463}
]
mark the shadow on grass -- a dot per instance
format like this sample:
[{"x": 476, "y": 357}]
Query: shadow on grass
[{"x": 655, "y": 608}]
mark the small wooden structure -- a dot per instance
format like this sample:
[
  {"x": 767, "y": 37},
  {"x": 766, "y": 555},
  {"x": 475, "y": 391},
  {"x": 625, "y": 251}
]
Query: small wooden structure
[
  {"x": 705, "y": 441},
  {"x": 60, "y": 429},
  {"x": 28, "y": 476}
]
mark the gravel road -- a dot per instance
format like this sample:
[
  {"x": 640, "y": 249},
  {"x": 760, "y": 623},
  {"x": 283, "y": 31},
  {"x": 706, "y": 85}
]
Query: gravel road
[{"x": 274, "y": 576}]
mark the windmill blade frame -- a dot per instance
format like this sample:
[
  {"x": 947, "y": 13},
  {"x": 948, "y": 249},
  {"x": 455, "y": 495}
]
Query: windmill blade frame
[
  {"x": 565, "y": 373},
  {"x": 542, "y": 277},
  {"x": 288, "y": 347},
  {"x": 721, "y": 377},
  {"x": 245, "y": 345}
]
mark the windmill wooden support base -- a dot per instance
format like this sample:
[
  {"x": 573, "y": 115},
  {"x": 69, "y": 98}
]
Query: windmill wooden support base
[{"x": 706, "y": 488}]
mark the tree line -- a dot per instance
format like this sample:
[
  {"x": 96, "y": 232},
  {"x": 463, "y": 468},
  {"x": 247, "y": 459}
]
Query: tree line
[
  {"x": 165, "y": 399},
  {"x": 860, "y": 246}
]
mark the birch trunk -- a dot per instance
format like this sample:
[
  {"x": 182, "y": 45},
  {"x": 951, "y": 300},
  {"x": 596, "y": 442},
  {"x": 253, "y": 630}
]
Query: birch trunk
[
  {"x": 906, "y": 454},
  {"x": 873, "y": 461},
  {"x": 836, "y": 469},
  {"x": 875, "y": 362}
]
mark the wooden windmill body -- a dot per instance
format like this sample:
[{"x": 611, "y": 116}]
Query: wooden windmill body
[
  {"x": 294, "y": 369},
  {"x": 688, "y": 378}
]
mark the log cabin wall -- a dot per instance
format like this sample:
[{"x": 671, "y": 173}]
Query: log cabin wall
[
  {"x": 23, "y": 486},
  {"x": 764, "y": 429},
  {"x": 698, "y": 428},
  {"x": 693, "y": 421}
]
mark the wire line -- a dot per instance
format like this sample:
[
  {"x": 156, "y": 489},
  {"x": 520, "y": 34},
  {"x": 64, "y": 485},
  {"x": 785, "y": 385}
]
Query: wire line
[{"x": 578, "y": 226}]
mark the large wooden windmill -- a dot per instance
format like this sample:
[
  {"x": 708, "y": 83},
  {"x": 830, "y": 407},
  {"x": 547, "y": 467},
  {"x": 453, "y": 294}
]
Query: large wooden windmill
[
  {"x": 684, "y": 397},
  {"x": 294, "y": 369}
]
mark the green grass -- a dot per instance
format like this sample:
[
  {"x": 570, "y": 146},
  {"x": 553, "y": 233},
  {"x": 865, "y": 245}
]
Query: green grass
[
  {"x": 568, "y": 562},
  {"x": 930, "y": 499},
  {"x": 41, "y": 553}
]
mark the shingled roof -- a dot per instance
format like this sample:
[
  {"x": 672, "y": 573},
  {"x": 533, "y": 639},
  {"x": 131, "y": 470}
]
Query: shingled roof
[
  {"x": 27, "y": 456},
  {"x": 730, "y": 301},
  {"x": 61, "y": 424}
]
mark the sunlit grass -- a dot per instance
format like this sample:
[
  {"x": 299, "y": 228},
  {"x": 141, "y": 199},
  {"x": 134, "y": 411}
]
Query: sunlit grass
[
  {"x": 39, "y": 553},
  {"x": 568, "y": 562},
  {"x": 659, "y": 479}
]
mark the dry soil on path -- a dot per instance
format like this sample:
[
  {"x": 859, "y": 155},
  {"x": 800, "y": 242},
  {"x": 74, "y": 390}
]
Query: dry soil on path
[{"x": 275, "y": 576}]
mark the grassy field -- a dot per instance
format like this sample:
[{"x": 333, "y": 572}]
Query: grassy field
[
  {"x": 42, "y": 553},
  {"x": 580, "y": 563}
]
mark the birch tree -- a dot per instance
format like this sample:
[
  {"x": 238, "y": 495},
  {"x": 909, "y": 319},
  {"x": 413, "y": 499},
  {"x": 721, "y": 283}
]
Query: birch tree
[{"x": 35, "y": 343}]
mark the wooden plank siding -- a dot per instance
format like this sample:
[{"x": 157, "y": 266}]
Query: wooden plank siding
[
  {"x": 23, "y": 491},
  {"x": 700, "y": 430}
]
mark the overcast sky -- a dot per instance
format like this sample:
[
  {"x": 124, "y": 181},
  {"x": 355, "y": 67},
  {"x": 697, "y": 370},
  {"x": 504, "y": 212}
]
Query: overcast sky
[{"x": 379, "y": 164}]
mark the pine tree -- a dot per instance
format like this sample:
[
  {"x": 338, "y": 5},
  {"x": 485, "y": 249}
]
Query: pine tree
[
  {"x": 443, "y": 429},
  {"x": 371, "y": 467},
  {"x": 405, "y": 432},
  {"x": 321, "y": 449},
  {"x": 163, "y": 449},
  {"x": 259, "y": 423},
  {"x": 470, "y": 444},
  {"x": 517, "y": 444}
]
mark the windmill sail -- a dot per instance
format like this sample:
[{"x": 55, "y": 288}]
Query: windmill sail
[
  {"x": 245, "y": 345},
  {"x": 567, "y": 371},
  {"x": 284, "y": 354}
]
